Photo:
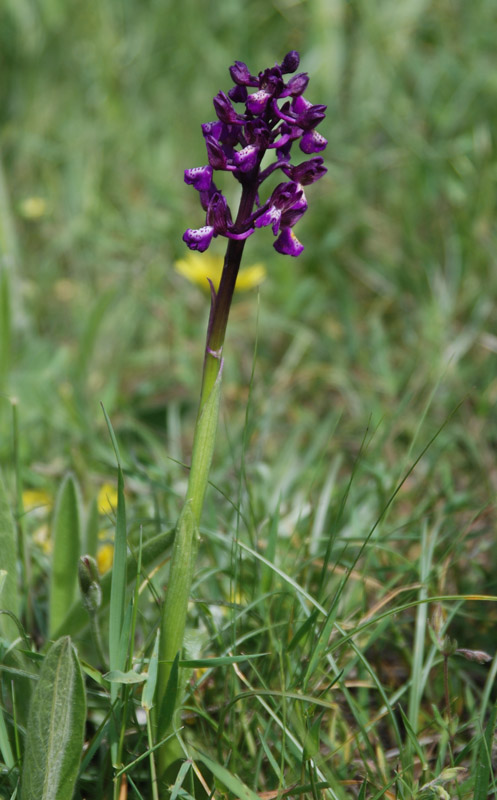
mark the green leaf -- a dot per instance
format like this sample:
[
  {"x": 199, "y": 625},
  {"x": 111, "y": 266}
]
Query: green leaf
[
  {"x": 118, "y": 587},
  {"x": 484, "y": 760},
  {"x": 55, "y": 732},
  {"x": 66, "y": 539},
  {"x": 117, "y": 676},
  {"x": 149, "y": 688},
  {"x": 220, "y": 661},
  {"x": 9, "y": 599},
  {"x": 5, "y": 748},
  {"x": 232, "y": 783},
  {"x": 168, "y": 703}
]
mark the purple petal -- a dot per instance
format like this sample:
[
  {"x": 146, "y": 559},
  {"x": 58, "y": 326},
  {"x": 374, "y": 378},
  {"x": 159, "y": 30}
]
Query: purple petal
[
  {"x": 257, "y": 102},
  {"x": 224, "y": 110},
  {"x": 238, "y": 94},
  {"x": 270, "y": 217},
  {"x": 199, "y": 239},
  {"x": 291, "y": 62},
  {"x": 246, "y": 159},
  {"x": 288, "y": 244},
  {"x": 240, "y": 74},
  {"x": 213, "y": 129},
  {"x": 199, "y": 177},
  {"x": 218, "y": 214},
  {"x": 312, "y": 142},
  {"x": 215, "y": 152},
  {"x": 271, "y": 81},
  {"x": 296, "y": 85},
  {"x": 307, "y": 172}
]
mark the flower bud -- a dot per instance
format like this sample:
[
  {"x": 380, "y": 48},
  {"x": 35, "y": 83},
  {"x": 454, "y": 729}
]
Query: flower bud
[{"x": 89, "y": 584}]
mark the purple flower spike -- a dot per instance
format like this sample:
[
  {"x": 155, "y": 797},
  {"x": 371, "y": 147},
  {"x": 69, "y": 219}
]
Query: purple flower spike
[{"x": 273, "y": 115}]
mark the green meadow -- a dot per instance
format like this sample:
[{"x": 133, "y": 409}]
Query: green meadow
[{"x": 341, "y": 628}]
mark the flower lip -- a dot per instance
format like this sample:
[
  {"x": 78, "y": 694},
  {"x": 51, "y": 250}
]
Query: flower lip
[
  {"x": 287, "y": 243},
  {"x": 199, "y": 177},
  {"x": 246, "y": 159},
  {"x": 257, "y": 102},
  {"x": 312, "y": 142},
  {"x": 199, "y": 239}
]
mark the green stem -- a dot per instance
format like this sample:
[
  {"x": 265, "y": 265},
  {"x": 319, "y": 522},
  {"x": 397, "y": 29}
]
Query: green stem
[{"x": 185, "y": 543}]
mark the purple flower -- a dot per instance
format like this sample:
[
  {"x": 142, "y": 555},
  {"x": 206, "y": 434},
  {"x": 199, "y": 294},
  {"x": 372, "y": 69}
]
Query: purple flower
[
  {"x": 260, "y": 114},
  {"x": 307, "y": 172},
  {"x": 198, "y": 239},
  {"x": 287, "y": 243}
]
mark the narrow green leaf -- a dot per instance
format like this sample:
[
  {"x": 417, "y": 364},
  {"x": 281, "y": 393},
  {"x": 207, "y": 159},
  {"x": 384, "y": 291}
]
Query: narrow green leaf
[
  {"x": 117, "y": 676},
  {"x": 484, "y": 761},
  {"x": 5, "y": 748},
  {"x": 118, "y": 585},
  {"x": 55, "y": 732},
  {"x": 303, "y": 629},
  {"x": 267, "y": 573},
  {"x": 149, "y": 688},
  {"x": 9, "y": 599},
  {"x": 66, "y": 538},
  {"x": 232, "y": 783},
  {"x": 220, "y": 661},
  {"x": 5, "y": 328},
  {"x": 169, "y": 700},
  {"x": 117, "y": 645},
  {"x": 178, "y": 783}
]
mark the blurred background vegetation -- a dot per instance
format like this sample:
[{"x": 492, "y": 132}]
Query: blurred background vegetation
[{"x": 383, "y": 331}]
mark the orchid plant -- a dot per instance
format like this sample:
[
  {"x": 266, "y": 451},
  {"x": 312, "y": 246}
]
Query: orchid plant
[{"x": 262, "y": 115}]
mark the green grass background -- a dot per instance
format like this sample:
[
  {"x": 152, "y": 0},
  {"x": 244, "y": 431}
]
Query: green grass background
[{"x": 380, "y": 337}]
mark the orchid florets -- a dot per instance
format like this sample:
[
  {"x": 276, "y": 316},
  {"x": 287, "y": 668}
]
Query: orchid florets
[{"x": 275, "y": 116}]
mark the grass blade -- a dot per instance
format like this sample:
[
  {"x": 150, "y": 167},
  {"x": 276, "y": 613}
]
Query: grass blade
[
  {"x": 66, "y": 539},
  {"x": 118, "y": 584},
  {"x": 484, "y": 761},
  {"x": 55, "y": 732},
  {"x": 118, "y": 647},
  {"x": 232, "y": 783},
  {"x": 9, "y": 599}
]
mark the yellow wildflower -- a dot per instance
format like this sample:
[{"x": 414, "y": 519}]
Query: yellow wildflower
[
  {"x": 107, "y": 499},
  {"x": 105, "y": 557},
  {"x": 197, "y": 268},
  {"x": 36, "y": 499}
]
